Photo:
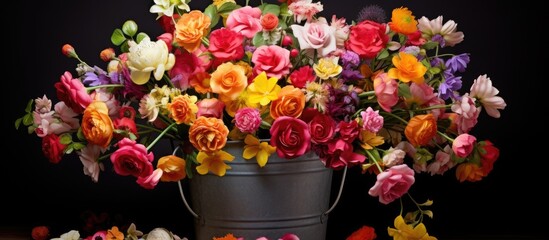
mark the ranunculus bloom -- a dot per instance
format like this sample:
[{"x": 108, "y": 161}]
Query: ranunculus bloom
[
  {"x": 421, "y": 129},
  {"x": 52, "y": 148},
  {"x": 269, "y": 21},
  {"x": 290, "y": 136},
  {"x": 190, "y": 29},
  {"x": 247, "y": 120},
  {"x": 97, "y": 126},
  {"x": 228, "y": 80},
  {"x": 208, "y": 134},
  {"x": 146, "y": 57},
  {"x": 322, "y": 128},
  {"x": 386, "y": 90},
  {"x": 300, "y": 77},
  {"x": 73, "y": 93},
  {"x": 392, "y": 183},
  {"x": 407, "y": 68},
  {"x": 173, "y": 168},
  {"x": 226, "y": 45},
  {"x": 201, "y": 82},
  {"x": 245, "y": 20},
  {"x": 402, "y": 21},
  {"x": 463, "y": 145},
  {"x": 367, "y": 39},
  {"x": 149, "y": 182},
  {"x": 131, "y": 158},
  {"x": 488, "y": 155},
  {"x": 316, "y": 35},
  {"x": 469, "y": 172},
  {"x": 183, "y": 109},
  {"x": 273, "y": 60},
  {"x": 210, "y": 107},
  {"x": 290, "y": 102}
]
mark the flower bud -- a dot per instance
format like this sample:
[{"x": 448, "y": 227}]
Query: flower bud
[
  {"x": 287, "y": 41},
  {"x": 107, "y": 54},
  {"x": 68, "y": 50},
  {"x": 294, "y": 52}
]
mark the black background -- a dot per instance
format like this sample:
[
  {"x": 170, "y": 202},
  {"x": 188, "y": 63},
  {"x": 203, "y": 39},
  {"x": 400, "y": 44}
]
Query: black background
[{"x": 503, "y": 205}]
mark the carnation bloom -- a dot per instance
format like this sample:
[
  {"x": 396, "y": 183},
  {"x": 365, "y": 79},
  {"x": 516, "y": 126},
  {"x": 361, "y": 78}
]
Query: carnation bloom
[
  {"x": 247, "y": 120},
  {"x": 371, "y": 120},
  {"x": 483, "y": 90},
  {"x": 147, "y": 57},
  {"x": 73, "y": 93},
  {"x": 213, "y": 162},
  {"x": 431, "y": 28}
]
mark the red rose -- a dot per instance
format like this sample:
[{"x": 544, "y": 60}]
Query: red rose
[
  {"x": 488, "y": 154},
  {"x": 322, "y": 128},
  {"x": 132, "y": 158},
  {"x": 269, "y": 21},
  {"x": 52, "y": 148},
  {"x": 290, "y": 136},
  {"x": 226, "y": 45},
  {"x": 348, "y": 130},
  {"x": 367, "y": 39},
  {"x": 73, "y": 93}
]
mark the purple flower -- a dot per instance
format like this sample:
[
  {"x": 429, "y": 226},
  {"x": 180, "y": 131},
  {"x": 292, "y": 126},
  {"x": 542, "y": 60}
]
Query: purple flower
[
  {"x": 437, "y": 62},
  {"x": 350, "y": 59},
  {"x": 350, "y": 75},
  {"x": 96, "y": 78},
  {"x": 342, "y": 102},
  {"x": 440, "y": 39},
  {"x": 458, "y": 63},
  {"x": 448, "y": 88}
]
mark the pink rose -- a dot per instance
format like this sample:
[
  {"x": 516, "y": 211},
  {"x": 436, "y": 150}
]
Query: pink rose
[
  {"x": 247, "y": 120},
  {"x": 149, "y": 182},
  {"x": 322, "y": 128},
  {"x": 392, "y": 183},
  {"x": 187, "y": 64},
  {"x": 132, "y": 158},
  {"x": 226, "y": 45},
  {"x": 367, "y": 39},
  {"x": 210, "y": 107},
  {"x": 290, "y": 136},
  {"x": 300, "y": 77},
  {"x": 386, "y": 90},
  {"x": 52, "y": 148},
  {"x": 371, "y": 120},
  {"x": 245, "y": 20},
  {"x": 73, "y": 93},
  {"x": 316, "y": 35},
  {"x": 273, "y": 60},
  {"x": 463, "y": 145}
]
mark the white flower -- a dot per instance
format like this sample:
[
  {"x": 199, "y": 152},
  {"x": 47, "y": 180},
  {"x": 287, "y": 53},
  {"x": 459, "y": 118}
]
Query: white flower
[
  {"x": 148, "y": 108},
  {"x": 159, "y": 234},
  {"x": 42, "y": 105},
  {"x": 88, "y": 157},
  {"x": 393, "y": 157},
  {"x": 72, "y": 235},
  {"x": 146, "y": 57},
  {"x": 430, "y": 28},
  {"x": 166, "y": 7},
  {"x": 483, "y": 90},
  {"x": 316, "y": 35}
]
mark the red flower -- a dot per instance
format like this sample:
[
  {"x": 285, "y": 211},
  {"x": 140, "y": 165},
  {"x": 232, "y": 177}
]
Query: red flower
[
  {"x": 73, "y": 93},
  {"x": 226, "y": 45},
  {"x": 367, "y": 39},
  {"x": 40, "y": 233},
  {"x": 488, "y": 154},
  {"x": 52, "y": 148},
  {"x": 290, "y": 136},
  {"x": 363, "y": 233}
]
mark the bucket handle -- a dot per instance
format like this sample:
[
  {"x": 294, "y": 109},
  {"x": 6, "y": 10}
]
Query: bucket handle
[
  {"x": 325, "y": 214},
  {"x": 183, "y": 195}
]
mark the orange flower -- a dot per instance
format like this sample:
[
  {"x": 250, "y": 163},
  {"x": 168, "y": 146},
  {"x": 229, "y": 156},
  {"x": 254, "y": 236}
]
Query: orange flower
[
  {"x": 183, "y": 109},
  {"x": 469, "y": 172},
  {"x": 408, "y": 68},
  {"x": 208, "y": 134},
  {"x": 190, "y": 29},
  {"x": 114, "y": 234},
  {"x": 269, "y": 21},
  {"x": 97, "y": 126},
  {"x": 363, "y": 233},
  {"x": 229, "y": 80},
  {"x": 173, "y": 168},
  {"x": 201, "y": 82},
  {"x": 290, "y": 102},
  {"x": 421, "y": 129},
  {"x": 402, "y": 21},
  {"x": 229, "y": 236}
]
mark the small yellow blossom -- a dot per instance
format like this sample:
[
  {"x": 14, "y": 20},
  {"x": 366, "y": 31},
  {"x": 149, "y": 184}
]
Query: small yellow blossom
[
  {"x": 369, "y": 140},
  {"x": 213, "y": 162},
  {"x": 327, "y": 68},
  {"x": 219, "y": 3},
  {"x": 261, "y": 150},
  {"x": 263, "y": 90},
  {"x": 403, "y": 231},
  {"x": 407, "y": 68}
]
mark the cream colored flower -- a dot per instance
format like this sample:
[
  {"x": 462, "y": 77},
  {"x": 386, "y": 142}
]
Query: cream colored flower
[
  {"x": 327, "y": 68},
  {"x": 72, "y": 235},
  {"x": 166, "y": 7},
  {"x": 483, "y": 90},
  {"x": 146, "y": 57},
  {"x": 430, "y": 28},
  {"x": 148, "y": 108}
]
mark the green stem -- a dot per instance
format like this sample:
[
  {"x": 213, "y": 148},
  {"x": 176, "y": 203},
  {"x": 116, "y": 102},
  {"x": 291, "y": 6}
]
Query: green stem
[
  {"x": 363, "y": 95},
  {"x": 445, "y": 136},
  {"x": 417, "y": 205},
  {"x": 166, "y": 78},
  {"x": 371, "y": 156},
  {"x": 160, "y": 136},
  {"x": 205, "y": 41},
  {"x": 395, "y": 116},
  {"x": 103, "y": 157},
  {"x": 154, "y": 129},
  {"x": 401, "y": 206},
  {"x": 103, "y": 86},
  {"x": 432, "y": 107}
]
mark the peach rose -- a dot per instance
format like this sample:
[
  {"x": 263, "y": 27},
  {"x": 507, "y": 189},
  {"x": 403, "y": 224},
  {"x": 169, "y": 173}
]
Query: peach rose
[
  {"x": 97, "y": 126},
  {"x": 173, "y": 168},
  {"x": 229, "y": 80},
  {"x": 208, "y": 134},
  {"x": 201, "y": 82},
  {"x": 190, "y": 29},
  {"x": 421, "y": 129},
  {"x": 183, "y": 109},
  {"x": 290, "y": 102}
]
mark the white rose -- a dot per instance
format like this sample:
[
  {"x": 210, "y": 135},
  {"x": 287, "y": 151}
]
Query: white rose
[{"x": 146, "y": 57}]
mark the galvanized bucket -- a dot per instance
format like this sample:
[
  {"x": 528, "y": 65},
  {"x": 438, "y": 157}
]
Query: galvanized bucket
[{"x": 285, "y": 196}]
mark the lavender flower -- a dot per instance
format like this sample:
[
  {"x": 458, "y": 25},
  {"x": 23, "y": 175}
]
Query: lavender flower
[
  {"x": 440, "y": 39},
  {"x": 437, "y": 62},
  {"x": 350, "y": 59},
  {"x": 449, "y": 88},
  {"x": 458, "y": 63}
]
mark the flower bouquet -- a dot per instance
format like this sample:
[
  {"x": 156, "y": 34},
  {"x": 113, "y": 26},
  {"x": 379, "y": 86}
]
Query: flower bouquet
[{"x": 383, "y": 95}]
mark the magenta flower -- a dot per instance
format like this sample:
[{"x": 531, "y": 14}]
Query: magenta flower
[
  {"x": 149, "y": 182},
  {"x": 290, "y": 136},
  {"x": 132, "y": 158},
  {"x": 73, "y": 93},
  {"x": 463, "y": 145},
  {"x": 247, "y": 120},
  {"x": 371, "y": 120}
]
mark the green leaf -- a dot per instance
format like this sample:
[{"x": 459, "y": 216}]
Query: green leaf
[
  {"x": 141, "y": 36},
  {"x": 18, "y": 122},
  {"x": 270, "y": 8},
  {"x": 31, "y": 129},
  {"x": 28, "y": 119},
  {"x": 375, "y": 153},
  {"x": 401, "y": 38},
  {"x": 125, "y": 47},
  {"x": 404, "y": 90},
  {"x": 129, "y": 28},
  {"x": 69, "y": 149},
  {"x": 28, "y": 109},
  {"x": 284, "y": 10},
  {"x": 434, "y": 70},
  {"x": 430, "y": 45},
  {"x": 258, "y": 39},
  {"x": 227, "y": 7},
  {"x": 265, "y": 125},
  {"x": 78, "y": 145},
  {"x": 80, "y": 135},
  {"x": 132, "y": 136},
  {"x": 117, "y": 37},
  {"x": 65, "y": 139},
  {"x": 211, "y": 11},
  {"x": 383, "y": 54}
]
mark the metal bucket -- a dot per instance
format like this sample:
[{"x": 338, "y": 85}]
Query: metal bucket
[{"x": 285, "y": 196}]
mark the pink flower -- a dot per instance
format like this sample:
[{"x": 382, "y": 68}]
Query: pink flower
[
  {"x": 442, "y": 162},
  {"x": 167, "y": 38},
  {"x": 386, "y": 90},
  {"x": 245, "y": 20},
  {"x": 317, "y": 35},
  {"x": 300, "y": 77},
  {"x": 322, "y": 128},
  {"x": 392, "y": 183},
  {"x": 66, "y": 115},
  {"x": 55, "y": 122},
  {"x": 210, "y": 107},
  {"x": 367, "y": 39},
  {"x": 341, "y": 31},
  {"x": 289, "y": 236},
  {"x": 187, "y": 64},
  {"x": 132, "y": 158},
  {"x": 42, "y": 105},
  {"x": 88, "y": 156},
  {"x": 467, "y": 113},
  {"x": 422, "y": 94},
  {"x": 149, "y": 182},
  {"x": 73, "y": 93},
  {"x": 483, "y": 90},
  {"x": 52, "y": 148},
  {"x": 98, "y": 235},
  {"x": 273, "y": 60},
  {"x": 305, "y": 9},
  {"x": 341, "y": 154},
  {"x": 290, "y": 136},
  {"x": 226, "y": 45},
  {"x": 463, "y": 145},
  {"x": 247, "y": 119},
  {"x": 109, "y": 98},
  {"x": 371, "y": 120}
]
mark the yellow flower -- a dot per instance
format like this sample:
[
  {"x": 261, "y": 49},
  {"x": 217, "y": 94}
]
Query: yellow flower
[
  {"x": 263, "y": 90},
  {"x": 369, "y": 140},
  {"x": 219, "y": 3},
  {"x": 213, "y": 162},
  {"x": 327, "y": 68},
  {"x": 231, "y": 106},
  {"x": 402, "y": 21},
  {"x": 261, "y": 151},
  {"x": 404, "y": 231},
  {"x": 407, "y": 68},
  {"x": 173, "y": 168},
  {"x": 114, "y": 234}
]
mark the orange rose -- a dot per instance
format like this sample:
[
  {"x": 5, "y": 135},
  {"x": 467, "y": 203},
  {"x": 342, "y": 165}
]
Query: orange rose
[
  {"x": 190, "y": 29},
  {"x": 290, "y": 102},
  {"x": 183, "y": 109},
  {"x": 208, "y": 134},
  {"x": 469, "y": 172},
  {"x": 97, "y": 126},
  {"x": 173, "y": 168},
  {"x": 269, "y": 21},
  {"x": 201, "y": 82},
  {"x": 421, "y": 129},
  {"x": 228, "y": 80}
]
